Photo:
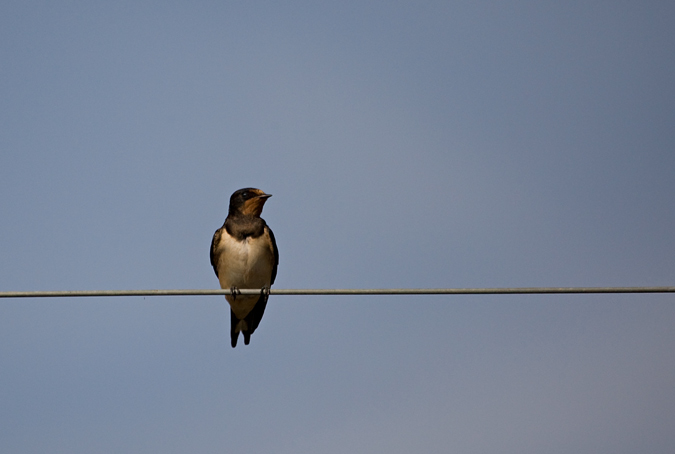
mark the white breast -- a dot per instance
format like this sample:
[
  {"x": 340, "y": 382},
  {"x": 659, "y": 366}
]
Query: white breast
[{"x": 245, "y": 264}]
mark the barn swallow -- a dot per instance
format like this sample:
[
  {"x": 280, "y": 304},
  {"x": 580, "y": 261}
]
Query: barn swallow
[{"x": 244, "y": 255}]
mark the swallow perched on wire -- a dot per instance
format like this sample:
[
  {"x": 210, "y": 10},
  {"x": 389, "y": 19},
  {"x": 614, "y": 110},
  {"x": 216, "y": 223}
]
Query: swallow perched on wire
[{"x": 244, "y": 255}]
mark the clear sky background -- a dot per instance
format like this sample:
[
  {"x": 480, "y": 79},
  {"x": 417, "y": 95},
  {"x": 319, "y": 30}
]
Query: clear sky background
[{"x": 407, "y": 144}]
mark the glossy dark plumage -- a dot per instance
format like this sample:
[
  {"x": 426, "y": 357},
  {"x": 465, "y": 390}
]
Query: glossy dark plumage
[{"x": 244, "y": 254}]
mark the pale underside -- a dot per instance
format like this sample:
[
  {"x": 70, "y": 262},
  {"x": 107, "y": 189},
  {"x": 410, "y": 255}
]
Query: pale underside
[{"x": 244, "y": 264}]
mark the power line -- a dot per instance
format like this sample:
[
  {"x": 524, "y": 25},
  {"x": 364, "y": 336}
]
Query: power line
[{"x": 376, "y": 291}]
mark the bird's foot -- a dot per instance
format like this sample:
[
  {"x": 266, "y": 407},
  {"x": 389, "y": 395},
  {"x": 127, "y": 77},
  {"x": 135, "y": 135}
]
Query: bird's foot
[
  {"x": 234, "y": 291},
  {"x": 265, "y": 291}
]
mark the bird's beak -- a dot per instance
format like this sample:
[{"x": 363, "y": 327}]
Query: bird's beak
[{"x": 265, "y": 196}]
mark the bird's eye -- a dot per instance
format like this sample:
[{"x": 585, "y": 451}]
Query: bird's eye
[{"x": 245, "y": 194}]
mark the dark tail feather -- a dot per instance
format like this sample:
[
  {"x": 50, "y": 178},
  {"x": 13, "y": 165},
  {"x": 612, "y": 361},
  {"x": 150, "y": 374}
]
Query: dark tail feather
[
  {"x": 234, "y": 335},
  {"x": 252, "y": 320}
]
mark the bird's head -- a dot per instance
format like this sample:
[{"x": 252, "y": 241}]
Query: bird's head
[{"x": 248, "y": 201}]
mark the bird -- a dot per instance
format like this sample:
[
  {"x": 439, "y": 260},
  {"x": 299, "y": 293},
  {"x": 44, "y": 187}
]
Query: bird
[{"x": 244, "y": 254}]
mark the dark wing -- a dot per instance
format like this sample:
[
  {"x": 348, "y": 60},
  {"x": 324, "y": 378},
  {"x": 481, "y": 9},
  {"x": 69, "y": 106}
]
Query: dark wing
[
  {"x": 276, "y": 254},
  {"x": 253, "y": 318},
  {"x": 214, "y": 244}
]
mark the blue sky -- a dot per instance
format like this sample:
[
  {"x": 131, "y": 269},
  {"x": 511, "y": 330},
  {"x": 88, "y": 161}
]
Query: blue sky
[{"x": 407, "y": 144}]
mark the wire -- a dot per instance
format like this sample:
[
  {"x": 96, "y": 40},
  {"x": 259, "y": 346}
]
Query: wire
[{"x": 376, "y": 291}]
